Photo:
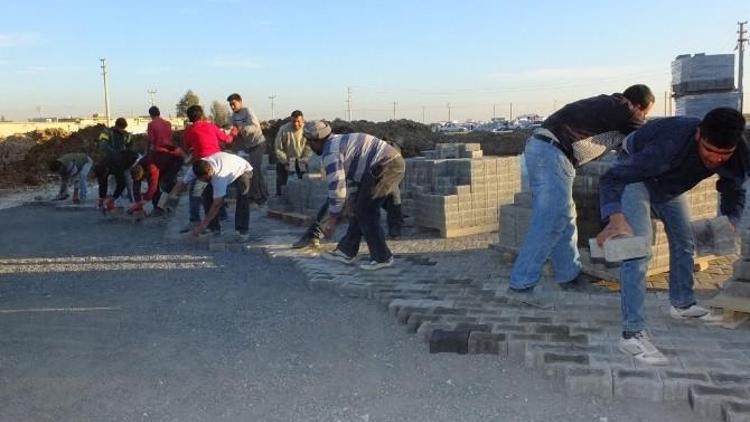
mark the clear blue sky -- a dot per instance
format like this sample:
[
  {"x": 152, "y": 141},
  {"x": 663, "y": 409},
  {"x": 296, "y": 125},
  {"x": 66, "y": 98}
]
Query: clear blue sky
[{"x": 472, "y": 54}]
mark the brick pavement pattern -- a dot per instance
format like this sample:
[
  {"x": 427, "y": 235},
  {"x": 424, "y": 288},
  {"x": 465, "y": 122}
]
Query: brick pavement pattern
[{"x": 446, "y": 291}]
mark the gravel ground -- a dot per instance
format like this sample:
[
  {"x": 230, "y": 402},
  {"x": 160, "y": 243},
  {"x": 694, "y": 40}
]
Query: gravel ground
[{"x": 101, "y": 321}]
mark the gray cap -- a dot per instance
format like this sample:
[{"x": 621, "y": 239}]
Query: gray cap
[{"x": 317, "y": 129}]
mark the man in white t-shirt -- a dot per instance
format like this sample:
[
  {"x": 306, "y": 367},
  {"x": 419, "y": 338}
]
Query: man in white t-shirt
[{"x": 220, "y": 170}]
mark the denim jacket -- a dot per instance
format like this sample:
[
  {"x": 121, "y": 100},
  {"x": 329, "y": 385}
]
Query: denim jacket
[{"x": 663, "y": 155}]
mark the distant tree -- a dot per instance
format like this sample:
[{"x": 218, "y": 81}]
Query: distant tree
[
  {"x": 220, "y": 113},
  {"x": 187, "y": 100},
  {"x": 2, "y": 118}
]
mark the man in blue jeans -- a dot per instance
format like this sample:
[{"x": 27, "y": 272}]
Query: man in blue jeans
[
  {"x": 658, "y": 164},
  {"x": 574, "y": 135}
]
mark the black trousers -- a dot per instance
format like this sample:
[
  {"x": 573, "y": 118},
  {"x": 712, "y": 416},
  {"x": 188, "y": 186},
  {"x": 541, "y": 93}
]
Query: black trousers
[{"x": 242, "y": 213}]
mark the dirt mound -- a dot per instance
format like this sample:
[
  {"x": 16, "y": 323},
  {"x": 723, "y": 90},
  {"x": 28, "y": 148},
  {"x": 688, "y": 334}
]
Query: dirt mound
[
  {"x": 500, "y": 144},
  {"x": 25, "y": 159}
]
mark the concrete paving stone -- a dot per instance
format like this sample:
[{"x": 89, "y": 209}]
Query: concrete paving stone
[
  {"x": 551, "y": 329},
  {"x": 495, "y": 319},
  {"x": 716, "y": 364},
  {"x": 588, "y": 381},
  {"x": 531, "y": 319},
  {"x": 567, "y": 338},
  {"x": 450, "y": 341},
  {"x": 354, "y": 289},
  {"x": 677, "y": 382},
  {"x": 424, "y": 332},
  {"x": 730, "y": 378},
  {"x": 481, "y": 342},
  {"x": 614, "y": 360},
  {"x": 417, "y": 319},
  {"x": 736, "y": 411},
  {"x": 707, "y": 401},
  {"x": 509, "y": 327},
  {"x": 638, "y": 383}
]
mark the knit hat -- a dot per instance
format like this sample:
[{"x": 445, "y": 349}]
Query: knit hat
[{"x": 316, "y": 130}]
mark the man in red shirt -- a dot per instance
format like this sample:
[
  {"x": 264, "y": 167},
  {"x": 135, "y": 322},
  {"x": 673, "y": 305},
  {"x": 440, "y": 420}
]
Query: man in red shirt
[
  {"x": 202, "y": 138},
  {"x": 159, "y": 131},
  {"x": 162, "y": 162}
]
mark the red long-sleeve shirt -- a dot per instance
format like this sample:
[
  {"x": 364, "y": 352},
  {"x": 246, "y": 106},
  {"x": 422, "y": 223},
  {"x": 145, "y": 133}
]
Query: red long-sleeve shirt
[
  {"x": 203, "y": 137},
  {"x": 159, "y": 134}
]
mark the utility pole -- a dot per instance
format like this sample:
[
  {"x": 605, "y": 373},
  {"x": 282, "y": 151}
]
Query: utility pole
[
  {"x": 449, "y": 111},
  {"x": 665, "y": 103},
  {"x": 511, "y": 112},
  {"x": 349, "y": 104},
  {"x": 394, "y": 110},
  {"x": 741, "y": 41},
  {"x": 422, "y": 114},
  {"x": 493, "y": 112},
  {"x": 106, "y": 89},
  {"x": 151, "y": 93},
  {"x": 669, "y": 101},
  {"x": 272, "y": 97}
]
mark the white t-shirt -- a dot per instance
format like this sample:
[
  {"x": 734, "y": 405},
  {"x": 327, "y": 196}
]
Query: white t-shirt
[{"x": 227, "y": 168}]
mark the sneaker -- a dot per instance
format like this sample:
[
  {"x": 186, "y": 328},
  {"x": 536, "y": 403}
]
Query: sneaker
[
  {"x": 528, "y": 297},
  {"x": 306, "y": 241},
  {"x": 375, "y": 265},
  {"x": 337, "y": 255},
  {"x": 640, "y": 348},
  {"x": 242, "y": 237},
  {"x": 695, "y": 312}
]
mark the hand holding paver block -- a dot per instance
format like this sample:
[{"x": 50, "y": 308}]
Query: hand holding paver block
[{"x": 620, "y": 248}]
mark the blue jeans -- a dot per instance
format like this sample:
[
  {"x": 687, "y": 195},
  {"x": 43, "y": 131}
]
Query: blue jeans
[
  {"x": 637, "y": 208},
  {"x": 552, "y": 233}
]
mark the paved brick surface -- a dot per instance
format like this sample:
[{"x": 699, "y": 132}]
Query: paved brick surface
[{"x": 446, "y": 292}]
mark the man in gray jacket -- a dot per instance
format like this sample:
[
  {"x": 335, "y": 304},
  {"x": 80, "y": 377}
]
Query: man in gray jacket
[
  {"x": 251, "y": 144},
  {"x": 292, "y": 152}
]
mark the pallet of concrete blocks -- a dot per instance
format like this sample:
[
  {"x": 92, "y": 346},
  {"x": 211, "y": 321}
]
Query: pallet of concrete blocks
[
  {"x": 702, "y": 73},
  {"x": 697, "y": 105}
]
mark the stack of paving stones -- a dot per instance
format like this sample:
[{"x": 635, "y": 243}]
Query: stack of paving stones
[
  {"x": 703, "y": 82},
  {"x": 515, "y": 218},
  {"x": 446, "y": 292},
  {"x": 457, "y": 191}
]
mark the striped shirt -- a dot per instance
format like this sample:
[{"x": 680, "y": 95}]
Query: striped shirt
[{"x": 347, "y": 158}]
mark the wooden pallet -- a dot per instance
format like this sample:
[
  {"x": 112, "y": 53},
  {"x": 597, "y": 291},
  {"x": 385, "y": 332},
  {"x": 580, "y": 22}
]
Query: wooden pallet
[{"x": 736, "y": 309}]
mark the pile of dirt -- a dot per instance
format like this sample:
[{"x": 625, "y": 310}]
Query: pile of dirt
[
  {"x": 27, "y": 157},
  {"x": 416, "y": 137}
]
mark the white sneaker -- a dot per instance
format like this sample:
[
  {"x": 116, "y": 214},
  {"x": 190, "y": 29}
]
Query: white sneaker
[
  {"x": 337, "y": 255},
  {"x": 694, "y": 312},
  {"x": 640, "y": 347},
  {"x": 375, "y": 265}
]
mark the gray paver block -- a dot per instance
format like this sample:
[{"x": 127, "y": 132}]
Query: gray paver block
[
  {"x": 589, "y": 381},
  {"x": 622, "y": 248},
  {"x": 487, "y": 343},
  {"x": 707, "y": 401},
  {"x": 736, "y": 411},
  {"x": 638, "y": 383},
  {"x": 677, "y": 383}
]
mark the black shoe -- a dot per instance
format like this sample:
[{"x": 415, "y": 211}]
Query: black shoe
[
  {"x": 581, "y": 284},
  {"x": 306, "y": 241}
]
